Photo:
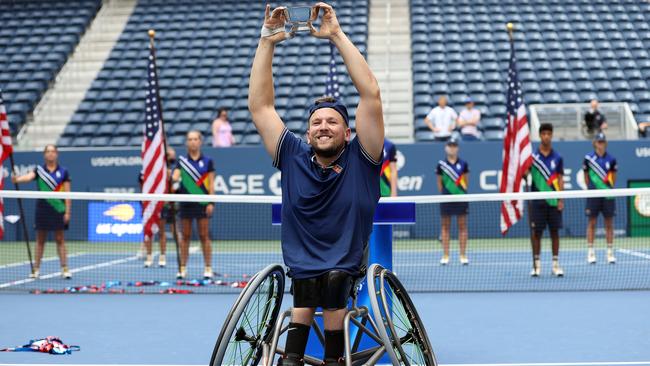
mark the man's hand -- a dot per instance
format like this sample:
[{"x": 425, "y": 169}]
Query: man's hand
[
  {"x": 560, "y": 205},
  {"x": 66, "y": 217},
  {"x": 209, "y": 208},
  {"x": 274, "y": 21},
  {"x": 329, "y": 26}
]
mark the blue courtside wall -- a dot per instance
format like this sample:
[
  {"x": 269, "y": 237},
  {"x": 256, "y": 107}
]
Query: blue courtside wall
[{"x": 248, "y": 170}]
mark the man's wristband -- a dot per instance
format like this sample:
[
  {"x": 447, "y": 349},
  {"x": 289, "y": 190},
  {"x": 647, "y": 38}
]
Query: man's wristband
[{"x": 267, "y": 32}]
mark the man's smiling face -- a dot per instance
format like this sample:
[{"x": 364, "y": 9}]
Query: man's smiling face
[{"x": 327, "y": 134}]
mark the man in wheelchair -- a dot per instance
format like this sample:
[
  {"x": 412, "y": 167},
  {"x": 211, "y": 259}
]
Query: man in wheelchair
[{"x": 330, "y": 185}]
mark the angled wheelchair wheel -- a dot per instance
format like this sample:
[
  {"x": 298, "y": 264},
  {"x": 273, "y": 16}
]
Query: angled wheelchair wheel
[
  {"x": 250, "y": 322},
  {"x": 403, "y": 332}
]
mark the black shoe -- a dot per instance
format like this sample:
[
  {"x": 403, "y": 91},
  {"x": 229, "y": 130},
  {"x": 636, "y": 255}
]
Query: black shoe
[
  {"x": 334, "y": 362},
  {"x": 291, "y": 359}
]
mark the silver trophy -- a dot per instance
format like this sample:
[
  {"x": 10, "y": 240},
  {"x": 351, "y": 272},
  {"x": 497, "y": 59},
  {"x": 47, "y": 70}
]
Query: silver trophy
[{"x": 299, "y": 17}]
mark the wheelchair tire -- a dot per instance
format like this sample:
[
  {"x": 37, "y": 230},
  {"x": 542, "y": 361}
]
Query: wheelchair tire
[
  {"x": 250, "y": 322},
  {"x": 400, "y": 326}
]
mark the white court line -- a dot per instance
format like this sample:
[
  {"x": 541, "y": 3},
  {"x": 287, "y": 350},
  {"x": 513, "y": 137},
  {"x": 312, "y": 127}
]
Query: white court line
[
  {"x": 79, "y": 269},
  {"x": 634, "y": 253},
  {"x": 17, "y": 264},
  {"x": 475, "y": 263}
]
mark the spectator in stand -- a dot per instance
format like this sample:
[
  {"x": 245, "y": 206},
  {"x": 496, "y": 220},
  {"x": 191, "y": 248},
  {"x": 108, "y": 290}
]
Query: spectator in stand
[
  {"x": 468, "y": 121},
  {"x": 221, "y": 130},
  {"x": 595, "y": 120},
  {"x": 441, "y": 120}
]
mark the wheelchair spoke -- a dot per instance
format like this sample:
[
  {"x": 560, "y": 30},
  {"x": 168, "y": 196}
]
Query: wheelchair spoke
[{"x": 244, "y": 347}]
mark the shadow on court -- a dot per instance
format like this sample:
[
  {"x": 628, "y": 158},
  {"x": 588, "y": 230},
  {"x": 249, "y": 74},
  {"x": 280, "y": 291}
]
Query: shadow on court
[{"x": 477, "y": 328}]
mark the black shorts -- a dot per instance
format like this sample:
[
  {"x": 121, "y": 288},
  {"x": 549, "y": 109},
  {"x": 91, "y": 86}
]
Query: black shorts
[
  {"x": 166, "y": 213},
  {"x": 542, "y": 215},
  {"x": 454, "y": 208},
  {"x": 597, "y": 205},
  {"x": 47, "y": 218},
  {"x": 330, "y": 290},
  {"x": 192, "y": 210}
]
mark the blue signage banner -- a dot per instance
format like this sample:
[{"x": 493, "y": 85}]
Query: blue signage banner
[{"x": 114, "y": 222}]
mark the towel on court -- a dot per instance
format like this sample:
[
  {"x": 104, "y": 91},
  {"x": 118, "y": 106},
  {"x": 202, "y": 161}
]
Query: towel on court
[{"x": 51, "y": 345}]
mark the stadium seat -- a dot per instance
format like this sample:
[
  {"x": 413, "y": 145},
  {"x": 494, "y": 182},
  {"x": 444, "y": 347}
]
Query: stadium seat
[
  {"x": 252, "y": 139},
  {"x": 493, "y": 135},
  {"x": 99, "y": 141},
  {"x": 81, "y": 142}
]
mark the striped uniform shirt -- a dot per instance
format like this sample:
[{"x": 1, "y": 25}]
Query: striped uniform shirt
[{"x": 52, "y": 181}]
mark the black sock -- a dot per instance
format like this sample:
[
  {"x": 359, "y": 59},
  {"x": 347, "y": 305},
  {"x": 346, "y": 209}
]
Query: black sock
[
  {"x": 297, "y": 339},
  {"x": 334, "y": 344}
]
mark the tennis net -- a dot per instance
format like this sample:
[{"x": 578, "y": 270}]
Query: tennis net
[{"x": 105, "y": 252}]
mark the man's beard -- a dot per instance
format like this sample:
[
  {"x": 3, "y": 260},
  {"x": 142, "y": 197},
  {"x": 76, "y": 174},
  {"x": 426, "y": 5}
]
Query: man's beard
[{"x": 329, "y": 152}]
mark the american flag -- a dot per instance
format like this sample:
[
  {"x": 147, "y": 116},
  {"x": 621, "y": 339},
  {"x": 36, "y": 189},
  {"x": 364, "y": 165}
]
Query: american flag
[
  {"x": 154, "y": 169},
  {"x": 332, "y": 81},
  {"x": 7, "y": 149},
  {"x": 517, "y": 150}
]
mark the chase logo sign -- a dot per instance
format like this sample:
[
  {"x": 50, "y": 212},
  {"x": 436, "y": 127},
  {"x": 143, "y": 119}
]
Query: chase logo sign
[{"x": 114, "y": 222}]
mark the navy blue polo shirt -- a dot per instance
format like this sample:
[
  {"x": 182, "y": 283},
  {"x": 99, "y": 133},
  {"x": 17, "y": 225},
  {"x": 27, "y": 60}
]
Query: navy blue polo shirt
[
  {"x": 601, "y": 170},
  {"x": 327, "y": 213},
  {"x": 547, "y": 171}
]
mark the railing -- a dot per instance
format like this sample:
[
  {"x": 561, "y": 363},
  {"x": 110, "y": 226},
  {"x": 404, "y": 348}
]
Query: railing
[{"x": 568, "y": 120}]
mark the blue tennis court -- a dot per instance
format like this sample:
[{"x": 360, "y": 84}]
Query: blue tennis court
[{"x": 521, "y": 328}]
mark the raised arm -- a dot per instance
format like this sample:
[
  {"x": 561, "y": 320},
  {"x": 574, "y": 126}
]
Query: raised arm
[
  {"x": 261, "y": 96},
  {"x": 369, "y": 117}
]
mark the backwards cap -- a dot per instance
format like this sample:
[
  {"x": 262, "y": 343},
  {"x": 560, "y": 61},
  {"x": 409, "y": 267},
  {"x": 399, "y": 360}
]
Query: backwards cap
[{"x": 335, "y": 104}]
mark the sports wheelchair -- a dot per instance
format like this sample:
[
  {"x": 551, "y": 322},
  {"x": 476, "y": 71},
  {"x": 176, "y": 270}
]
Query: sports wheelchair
[{"x": 392, "y": 326}]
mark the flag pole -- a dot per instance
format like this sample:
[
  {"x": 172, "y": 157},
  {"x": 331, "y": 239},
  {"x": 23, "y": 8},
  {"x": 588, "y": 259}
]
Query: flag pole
[
  {"x": 511, "y": 29},
  {"x": 22, "y": 216},
  {"x": 172, "y": 206}
]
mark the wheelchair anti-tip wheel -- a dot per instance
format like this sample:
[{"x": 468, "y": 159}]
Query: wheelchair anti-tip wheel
[
  {"x": 250, "y": 322},
  {"x": 403, "y": 332}
]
